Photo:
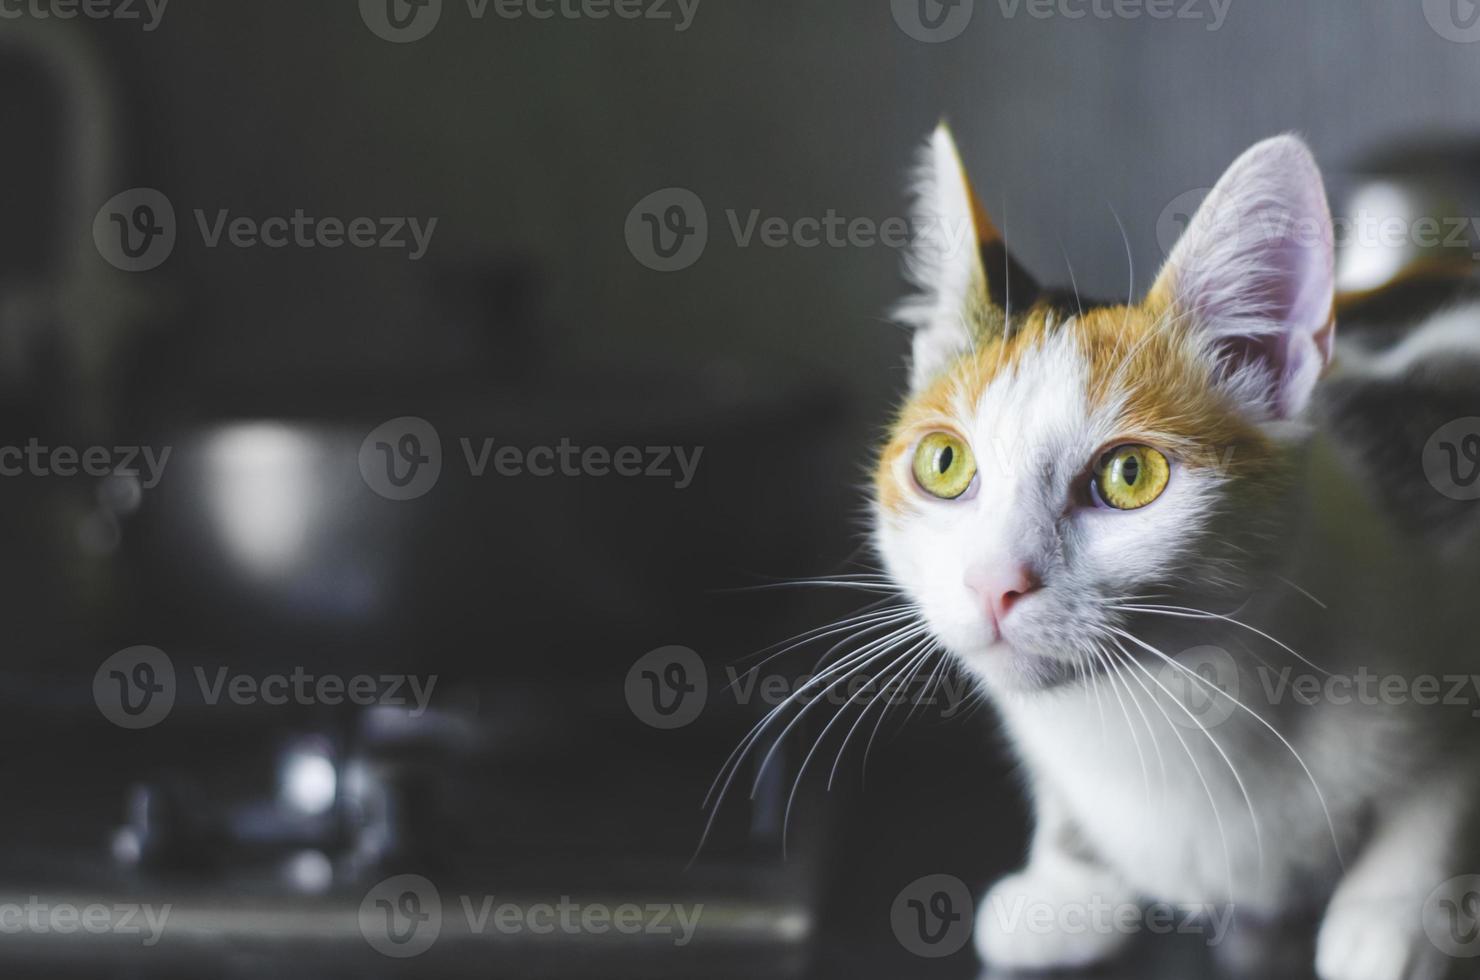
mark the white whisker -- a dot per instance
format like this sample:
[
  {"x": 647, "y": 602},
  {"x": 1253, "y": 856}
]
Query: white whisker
[
  {"x": 1212, "y": 800},
  {"x": 1330, "y": 824},
  {"x": 1186, "y": 612},
  {"x": 1111, "y": 676},
  {"x": 882, "y": 695},
  {"x": 817, "y": 744}
]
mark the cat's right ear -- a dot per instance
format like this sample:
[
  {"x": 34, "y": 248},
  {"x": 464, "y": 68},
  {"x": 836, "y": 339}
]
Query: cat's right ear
[{"x": 957, "y": 261}]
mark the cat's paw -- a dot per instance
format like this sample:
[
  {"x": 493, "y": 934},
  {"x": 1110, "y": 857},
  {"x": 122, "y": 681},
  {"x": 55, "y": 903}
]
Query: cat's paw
[
  {"x": 1375, "y": 941},
  {"x": 1029, "y": 921}
]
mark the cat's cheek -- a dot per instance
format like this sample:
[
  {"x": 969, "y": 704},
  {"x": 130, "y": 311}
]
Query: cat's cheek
[
  {"x": 930, "y": 573},
  {"x": 1122, "y": 549}
]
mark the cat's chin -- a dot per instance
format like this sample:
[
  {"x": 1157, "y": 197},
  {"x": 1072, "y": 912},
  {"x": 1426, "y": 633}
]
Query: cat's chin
[{"x": 1005, "y": 669}]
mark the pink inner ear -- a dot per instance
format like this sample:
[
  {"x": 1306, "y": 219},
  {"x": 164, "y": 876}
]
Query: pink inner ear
[
  {"x": 1257, "y": 268},
  {"x": 1295, "y": 292}
]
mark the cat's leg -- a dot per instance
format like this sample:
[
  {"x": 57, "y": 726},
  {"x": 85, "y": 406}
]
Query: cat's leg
[
  {"x": 1373, "y": 928},
  {"x": 1061, "y": 910}
]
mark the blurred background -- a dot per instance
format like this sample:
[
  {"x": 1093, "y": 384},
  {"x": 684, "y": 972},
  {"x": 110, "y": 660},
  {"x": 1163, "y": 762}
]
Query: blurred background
[{"x": 238, "y": 459}]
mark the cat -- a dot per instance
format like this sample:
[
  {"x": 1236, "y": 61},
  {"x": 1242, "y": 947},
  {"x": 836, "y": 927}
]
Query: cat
[{"x": 1141, "y": 527}]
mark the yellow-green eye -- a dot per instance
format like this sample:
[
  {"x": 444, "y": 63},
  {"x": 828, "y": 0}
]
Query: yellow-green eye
[
  {"x": 944, "y": 465},
  {"x": 1128, "y": 477}
]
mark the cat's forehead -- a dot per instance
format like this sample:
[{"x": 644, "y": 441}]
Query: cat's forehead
[{"x": 1082, "y": 355}]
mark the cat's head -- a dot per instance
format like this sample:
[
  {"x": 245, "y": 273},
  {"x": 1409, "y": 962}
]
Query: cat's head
[{"x": 1055, "y": 461}]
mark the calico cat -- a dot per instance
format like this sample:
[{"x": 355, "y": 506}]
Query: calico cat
[{"x": 1144, "y": 528}]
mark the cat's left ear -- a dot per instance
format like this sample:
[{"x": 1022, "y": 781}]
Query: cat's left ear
[
  {"x": 1254, "y": 274},
  {"x": 958, "y": 263}
]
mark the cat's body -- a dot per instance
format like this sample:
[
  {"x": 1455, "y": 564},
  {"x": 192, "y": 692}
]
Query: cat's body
[{"x": 1251, "y": 692}]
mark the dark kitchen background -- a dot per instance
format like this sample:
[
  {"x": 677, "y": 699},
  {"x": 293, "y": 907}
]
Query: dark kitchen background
[{"x": 270, "y": 543}]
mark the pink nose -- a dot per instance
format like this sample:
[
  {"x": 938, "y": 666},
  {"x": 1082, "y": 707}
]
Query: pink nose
[{"x": 1002, "y": 587}]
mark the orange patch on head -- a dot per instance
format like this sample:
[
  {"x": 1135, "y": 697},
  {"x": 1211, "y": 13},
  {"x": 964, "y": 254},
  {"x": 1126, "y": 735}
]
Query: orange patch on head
[{"x": 1143, "y": 355}]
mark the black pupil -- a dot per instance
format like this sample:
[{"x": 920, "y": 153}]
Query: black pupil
[
  {"x": 1130, "y": 469},
  {"x": 947, "y": 455}
]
